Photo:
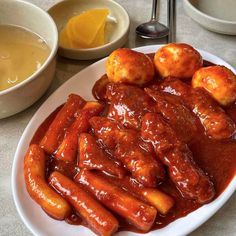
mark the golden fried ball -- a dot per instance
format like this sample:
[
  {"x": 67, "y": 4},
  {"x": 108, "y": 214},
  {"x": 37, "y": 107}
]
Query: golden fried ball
[
  {"x": 219, "y": 81},
  {"x": 178, "y": 60},
  {"x": 127, "y": 66}
]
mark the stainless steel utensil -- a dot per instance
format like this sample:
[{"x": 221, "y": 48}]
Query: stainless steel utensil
[
  {"x": 152, "y": 29},
  {"x": 171, "y": 21}
]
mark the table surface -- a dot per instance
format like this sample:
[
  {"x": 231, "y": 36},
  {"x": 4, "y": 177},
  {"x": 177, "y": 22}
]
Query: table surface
[{"x": 11, "y": 129}]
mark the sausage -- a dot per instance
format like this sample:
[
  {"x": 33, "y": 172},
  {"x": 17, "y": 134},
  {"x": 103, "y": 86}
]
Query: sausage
[
  {"x": 98, "y": 218},
  {"x": 190, "y": 180},
  {"x": 64, "y": 118},
  {"x": 217, "y": 123},
  {"x": 128, "y": 104},
  {"x": 68, "y": 148},
  {"x": 127, "y": 147},
  {"x": 178, "y": 115},
  {"x": 37, "y": 187},
  {"x": 92, "y": 157},
  {"x": 133, "y": 210}
]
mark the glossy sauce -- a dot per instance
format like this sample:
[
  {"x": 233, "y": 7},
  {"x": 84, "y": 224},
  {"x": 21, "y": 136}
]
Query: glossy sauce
[{"x": 216, "y": 158}]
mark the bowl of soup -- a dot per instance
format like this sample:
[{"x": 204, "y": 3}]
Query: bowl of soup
[{"x": 28, "y": 47}]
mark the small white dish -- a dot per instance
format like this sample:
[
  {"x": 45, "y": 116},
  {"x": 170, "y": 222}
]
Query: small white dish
[
  {"x": 37, "y": 221},
  {"x": 33, "y": 18},
  {"x": 116, "y": 31},
  {"x": 215, "y": 15}
]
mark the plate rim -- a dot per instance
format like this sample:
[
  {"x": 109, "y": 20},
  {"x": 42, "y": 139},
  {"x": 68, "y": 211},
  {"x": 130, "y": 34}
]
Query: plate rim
[{"x": 216, "y": 204}]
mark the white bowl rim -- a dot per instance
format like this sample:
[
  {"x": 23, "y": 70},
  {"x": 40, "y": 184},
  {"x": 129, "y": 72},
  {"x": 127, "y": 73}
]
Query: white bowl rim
[
  {"x": 49, "y": 58},
  {"x": 221, "y": 199},
  {"x": 208, "y": 16},
  {"x": 125, "y": 30}
]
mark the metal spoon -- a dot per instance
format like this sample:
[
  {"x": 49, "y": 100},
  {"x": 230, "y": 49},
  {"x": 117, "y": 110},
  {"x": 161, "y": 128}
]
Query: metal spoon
[{"x": 152, "y": 29}]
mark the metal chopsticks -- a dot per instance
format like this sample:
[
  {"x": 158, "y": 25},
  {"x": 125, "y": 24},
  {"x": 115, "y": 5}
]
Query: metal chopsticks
[{"x": 171, "y": 21}]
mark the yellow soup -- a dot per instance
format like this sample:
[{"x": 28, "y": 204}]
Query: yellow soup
[{"x": 21, "y": 54}]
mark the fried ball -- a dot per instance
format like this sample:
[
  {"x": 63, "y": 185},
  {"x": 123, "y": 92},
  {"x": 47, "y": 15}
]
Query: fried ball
[
  {"x": 219, "y": 81},
  {"x": 127, "y": 66},
  {"x": 178, "y": 60}
]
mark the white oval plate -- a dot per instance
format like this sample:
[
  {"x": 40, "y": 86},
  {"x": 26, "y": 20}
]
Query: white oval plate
[{"x": 36, "y": 219}]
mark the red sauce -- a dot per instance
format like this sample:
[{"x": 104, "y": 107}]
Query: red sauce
[{"x": 216, "y": 158}]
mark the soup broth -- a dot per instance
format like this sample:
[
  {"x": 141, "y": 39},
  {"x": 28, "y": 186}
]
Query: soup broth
[{"x": 21, "y": 54}]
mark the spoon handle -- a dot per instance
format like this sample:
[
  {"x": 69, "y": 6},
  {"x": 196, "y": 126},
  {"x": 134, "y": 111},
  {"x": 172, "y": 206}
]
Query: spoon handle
[
  {"x": 154, "y": 10},
  {"x": 171, "y": 21}
]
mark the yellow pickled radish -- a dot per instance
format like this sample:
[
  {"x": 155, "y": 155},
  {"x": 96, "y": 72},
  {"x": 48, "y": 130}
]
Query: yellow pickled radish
[
  {"x": 73, "y": 41},
  {"x": 86, "y": 30},
  {"x": 64, "y": 40},
  {"x": 100, "y": 38}
]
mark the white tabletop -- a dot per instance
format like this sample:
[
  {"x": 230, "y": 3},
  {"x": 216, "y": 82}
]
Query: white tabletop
[{"x": 11, "y": 129}]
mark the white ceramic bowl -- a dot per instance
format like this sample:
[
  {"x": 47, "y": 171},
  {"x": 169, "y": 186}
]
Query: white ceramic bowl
[
  {"x": 117, "y": 32},
  {"x": 37, "y": 221},
  {"x": 33, "y": 18},
  {"x": 215, "y": 15}
]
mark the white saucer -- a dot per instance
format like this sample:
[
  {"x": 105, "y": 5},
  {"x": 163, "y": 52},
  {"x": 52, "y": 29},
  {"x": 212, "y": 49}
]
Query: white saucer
[{"x": 117, "y": 32}]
